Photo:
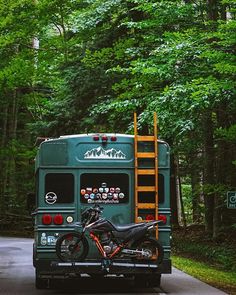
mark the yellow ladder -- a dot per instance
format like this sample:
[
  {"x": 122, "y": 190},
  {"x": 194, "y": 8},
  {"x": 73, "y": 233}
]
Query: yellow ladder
[{"x": 139, "y": 171}]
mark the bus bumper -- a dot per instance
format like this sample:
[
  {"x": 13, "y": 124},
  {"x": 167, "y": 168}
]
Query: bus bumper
[{"x": 56, "y": 268}]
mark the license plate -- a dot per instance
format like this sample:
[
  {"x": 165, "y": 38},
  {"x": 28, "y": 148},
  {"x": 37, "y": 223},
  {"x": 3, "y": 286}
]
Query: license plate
[{"x": 51, "y": 240}]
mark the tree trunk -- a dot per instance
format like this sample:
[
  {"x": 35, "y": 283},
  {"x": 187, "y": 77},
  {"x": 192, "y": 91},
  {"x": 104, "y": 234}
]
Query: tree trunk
[
  {"x": 173, "y": 192},
  {"x": 3, "y": 149},
  {"x": 196, "y": 187},
  {"x": 212, "y": 9},
  {"x": 209, "y": 174},
  {"x": 7, "y": 161},
  {"x": 180, "y": 203},
  {"x": 224, "y": 171}
]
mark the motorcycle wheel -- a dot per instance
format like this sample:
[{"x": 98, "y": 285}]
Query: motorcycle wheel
[
  {"x": 72, "y": 247},
  {"x": 153, "y": 247}
]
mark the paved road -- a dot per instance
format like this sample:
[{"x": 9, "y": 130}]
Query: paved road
[{"x": 17, "y": 277}]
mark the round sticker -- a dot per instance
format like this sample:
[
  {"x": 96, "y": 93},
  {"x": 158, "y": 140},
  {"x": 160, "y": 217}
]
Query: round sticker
[
  {"x": 110, "y": 196},
  {"x": 121, "y": 195},
  {"x": 117, "y": 190},
  {"x": 50, "y": 198},
  {"x": 98, "y": 196},
  {"x": 95, "y": 190},
  {"x": 104, "y": 184},
  {"x": 115, "y": 196},
  {"x": 86, "y": 196},
  {"x": 83, "y": 192},
  {"x": 101, "y": 189},
  {"x": 92, "y": 196},
  {"x": 112, "y": 189},
  {"x": 104, "y": 196}
]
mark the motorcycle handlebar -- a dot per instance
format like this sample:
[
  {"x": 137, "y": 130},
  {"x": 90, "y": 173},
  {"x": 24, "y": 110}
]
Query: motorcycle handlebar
[{"x": 96, "y": 209}]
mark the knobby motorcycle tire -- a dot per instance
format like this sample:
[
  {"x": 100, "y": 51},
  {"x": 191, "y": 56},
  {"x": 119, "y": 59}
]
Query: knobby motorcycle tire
[
  {"x": 155, "y": 244},
  {"x": 80, "y": 239}
]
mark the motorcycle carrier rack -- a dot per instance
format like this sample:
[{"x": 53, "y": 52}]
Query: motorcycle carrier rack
[{"x": 107, "y": 266}]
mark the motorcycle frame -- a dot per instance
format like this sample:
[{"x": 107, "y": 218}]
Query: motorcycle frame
[{"x": 100, "y": 247}]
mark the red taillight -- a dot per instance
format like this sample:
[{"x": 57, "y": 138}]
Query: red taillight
[
  {"x": 150, "y": 217},
  {"x": 58, "y": 219},
  {"x": 104, "y": 138},
  {"x": 113, "y": 138},
  {"x": 163, "y": 218},
  {"x": 47, "y": 219},
  {"x": 96, "y": 138}
]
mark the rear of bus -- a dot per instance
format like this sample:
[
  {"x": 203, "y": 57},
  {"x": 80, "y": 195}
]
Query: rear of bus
[{"x": 75, "y": 172}]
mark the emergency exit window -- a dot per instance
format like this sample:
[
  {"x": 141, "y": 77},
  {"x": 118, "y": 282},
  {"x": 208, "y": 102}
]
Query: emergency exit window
[
  {"x": 104, "y": 188},
  {"x": 59, "y": 188}
]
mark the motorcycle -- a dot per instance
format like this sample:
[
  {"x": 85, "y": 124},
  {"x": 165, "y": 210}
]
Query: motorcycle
[{"x": 113, "y": 241}]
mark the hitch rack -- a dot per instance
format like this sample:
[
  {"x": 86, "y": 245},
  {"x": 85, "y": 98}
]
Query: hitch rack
[{"x": 107, "y": 266}]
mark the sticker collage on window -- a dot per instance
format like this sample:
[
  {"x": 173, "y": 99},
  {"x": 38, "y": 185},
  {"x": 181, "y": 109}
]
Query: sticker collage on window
[{"x": 102, "y": 194}]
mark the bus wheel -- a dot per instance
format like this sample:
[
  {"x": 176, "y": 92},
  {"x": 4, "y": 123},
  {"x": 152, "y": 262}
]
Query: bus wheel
[
  {"x": 96, "y": 276},
  {"x": 40, "y": 283},
  {"x": 154, "y": 280},
  {"x": 72, "y": 247},
  {"x": 148, "y": 280},
  {"x": 140, "y": 281}
]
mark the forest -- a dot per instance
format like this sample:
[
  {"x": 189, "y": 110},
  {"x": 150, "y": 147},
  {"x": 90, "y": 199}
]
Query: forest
[{"x": 78, "y": 66}]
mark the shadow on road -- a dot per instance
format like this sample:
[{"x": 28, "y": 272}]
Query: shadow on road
[{"x": 96, "y": 286}]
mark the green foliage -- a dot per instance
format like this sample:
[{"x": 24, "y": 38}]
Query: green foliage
[
  {"x": 217, "y": 278},
  {"x": 227, "y": 134},
  {"x": 99, "y": 61},
  {"x": 224, "y": 258}
]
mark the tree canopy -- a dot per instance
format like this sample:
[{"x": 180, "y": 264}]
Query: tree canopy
[{"x": 72, "y": 66}]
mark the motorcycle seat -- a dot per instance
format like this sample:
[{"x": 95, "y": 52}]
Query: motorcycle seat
[{"x": 126, "y": 227}]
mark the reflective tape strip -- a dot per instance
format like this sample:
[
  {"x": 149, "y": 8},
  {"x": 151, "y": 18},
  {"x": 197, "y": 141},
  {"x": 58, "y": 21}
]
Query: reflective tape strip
[
  {"x": 78, "y": 264},
  {"x": 64, "y": 264},
  {"x": 87, "y": 264},
  {"x": 112, "y": 264},
  {"x": 135, "y": 265}
]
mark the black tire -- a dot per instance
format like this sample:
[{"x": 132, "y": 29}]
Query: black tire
[
  {"x": 72, "y": 247},
  {"x": 96, "y": 276},
  {"x": 147, "y": 280},
  {"x": 151, "y": 245},
  {"x": 39, "y": 282},
  {"x": 154, "y": 280}
]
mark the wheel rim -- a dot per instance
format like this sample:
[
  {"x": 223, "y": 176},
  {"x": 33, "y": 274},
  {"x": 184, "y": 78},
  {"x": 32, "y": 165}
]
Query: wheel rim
[
  {"x": 150, "y": 249},
  {"x": 71, "y": 248}
]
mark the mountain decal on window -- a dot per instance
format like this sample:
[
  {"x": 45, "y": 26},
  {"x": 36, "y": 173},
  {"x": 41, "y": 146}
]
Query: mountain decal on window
[{"x": 101, "y": 153}]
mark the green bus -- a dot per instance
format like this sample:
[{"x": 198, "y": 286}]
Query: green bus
[{"x": 73, "y": 172}]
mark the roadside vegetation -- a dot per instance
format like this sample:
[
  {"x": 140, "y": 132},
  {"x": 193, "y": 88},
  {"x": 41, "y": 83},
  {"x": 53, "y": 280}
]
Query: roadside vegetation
[
  {"x": 213, "y": 262},
  {"x": 222, "y": 279}
]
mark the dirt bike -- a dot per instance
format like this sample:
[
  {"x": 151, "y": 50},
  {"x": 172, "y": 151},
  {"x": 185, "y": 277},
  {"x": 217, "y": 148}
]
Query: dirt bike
[{"x": 113, "y": 241}]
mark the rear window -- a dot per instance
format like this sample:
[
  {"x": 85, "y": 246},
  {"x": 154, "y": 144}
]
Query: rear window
[
  {"x": 104, "y": 188},
  {"x": 59, "y": 188}
]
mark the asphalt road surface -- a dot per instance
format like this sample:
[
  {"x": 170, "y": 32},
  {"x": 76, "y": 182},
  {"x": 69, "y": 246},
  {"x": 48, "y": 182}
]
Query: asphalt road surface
[{"x": 17, "y": 277}]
